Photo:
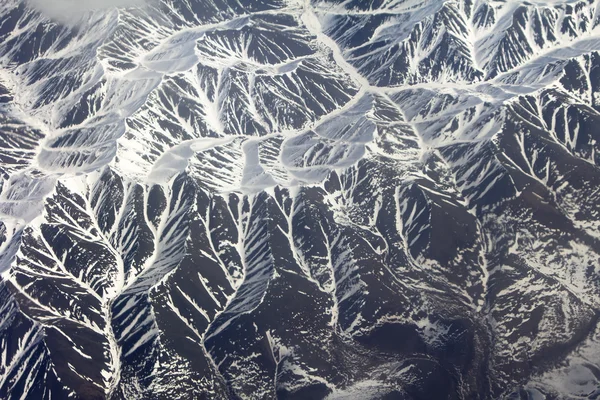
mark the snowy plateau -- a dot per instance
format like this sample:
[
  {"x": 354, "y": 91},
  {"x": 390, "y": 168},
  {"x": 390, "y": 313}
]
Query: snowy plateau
[{"x": 299, "y": 199}]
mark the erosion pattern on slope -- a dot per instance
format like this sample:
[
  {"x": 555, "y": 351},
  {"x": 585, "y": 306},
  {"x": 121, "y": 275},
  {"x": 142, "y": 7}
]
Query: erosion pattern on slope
[{"x": 301, "y": 199}]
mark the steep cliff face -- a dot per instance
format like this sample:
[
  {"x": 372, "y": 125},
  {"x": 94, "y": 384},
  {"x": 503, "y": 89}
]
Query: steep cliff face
[{"x": 300, "y": 199}]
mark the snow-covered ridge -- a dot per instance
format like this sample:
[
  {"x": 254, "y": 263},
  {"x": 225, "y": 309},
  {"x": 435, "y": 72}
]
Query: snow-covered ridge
[{"x": 279, "y": 198}]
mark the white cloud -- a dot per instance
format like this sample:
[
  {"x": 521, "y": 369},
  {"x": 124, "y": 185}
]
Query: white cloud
[{"x": 67, "y": 10}]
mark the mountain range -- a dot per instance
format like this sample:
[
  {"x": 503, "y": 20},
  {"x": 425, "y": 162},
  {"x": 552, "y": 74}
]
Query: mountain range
[{"x": 300, "y": 199}]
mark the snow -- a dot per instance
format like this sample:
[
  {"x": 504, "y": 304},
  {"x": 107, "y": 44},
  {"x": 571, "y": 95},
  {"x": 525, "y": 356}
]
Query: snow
[{"x": 231, "y": 115}]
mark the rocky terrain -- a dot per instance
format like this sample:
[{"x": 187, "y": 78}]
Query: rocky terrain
[{"x": 259, "y": 199}]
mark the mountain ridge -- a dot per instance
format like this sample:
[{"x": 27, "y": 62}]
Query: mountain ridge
[{"x": 300, "y": 199}]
